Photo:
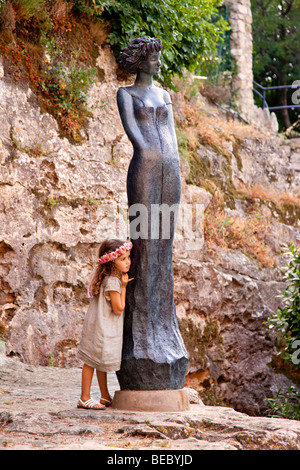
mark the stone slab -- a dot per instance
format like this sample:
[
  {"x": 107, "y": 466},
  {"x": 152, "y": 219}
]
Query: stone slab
[{"x": 151, "y": 400}]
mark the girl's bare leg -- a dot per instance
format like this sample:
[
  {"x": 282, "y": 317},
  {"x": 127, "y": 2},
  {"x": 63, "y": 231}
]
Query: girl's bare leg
[
  {"x": 86, "y": 382},
  {"x": 102, "y": 380}
]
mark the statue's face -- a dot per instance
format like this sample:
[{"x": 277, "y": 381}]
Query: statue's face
[{"x": 152, "y": 63}]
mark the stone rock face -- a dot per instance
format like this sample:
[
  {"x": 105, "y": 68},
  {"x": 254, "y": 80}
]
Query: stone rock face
[
  {"x": 59, "y": 201},
  {"x": 221, "y": 312},
  {"x": 241, "y": 50}
]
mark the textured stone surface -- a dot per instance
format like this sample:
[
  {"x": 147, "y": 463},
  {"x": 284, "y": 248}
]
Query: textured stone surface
[
  {"x": 151, "y": 400},
  {"x": 240, "y": 18},
  {"x": 38, "y": 412},
  {"x": 241, "y": 50},
  {"x": 222, "y": 323},
  {"x": 55, "y": 198}
]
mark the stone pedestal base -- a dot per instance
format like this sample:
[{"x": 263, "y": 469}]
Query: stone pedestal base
[
  {"x": 151, "y": 400},
  {"x": 146, "y": 374}
]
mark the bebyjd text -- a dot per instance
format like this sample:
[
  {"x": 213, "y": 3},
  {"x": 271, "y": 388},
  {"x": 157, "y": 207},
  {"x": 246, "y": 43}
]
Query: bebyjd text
[{"x": 154, "y": 459}]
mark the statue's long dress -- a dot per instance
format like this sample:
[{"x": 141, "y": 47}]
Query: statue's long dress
[{"x": 154, "y": 356}]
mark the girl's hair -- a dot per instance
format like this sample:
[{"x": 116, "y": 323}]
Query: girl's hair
[
  {"x": 137, "y": 51},
  {"x": 103, "y": 269}
]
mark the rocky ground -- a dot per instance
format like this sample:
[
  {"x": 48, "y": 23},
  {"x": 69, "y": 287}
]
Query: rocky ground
[{"x": 38, "y": 412}]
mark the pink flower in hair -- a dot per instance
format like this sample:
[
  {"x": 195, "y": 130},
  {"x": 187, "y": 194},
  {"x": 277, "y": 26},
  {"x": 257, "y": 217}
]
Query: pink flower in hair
[{"x": 114, "y": 254}]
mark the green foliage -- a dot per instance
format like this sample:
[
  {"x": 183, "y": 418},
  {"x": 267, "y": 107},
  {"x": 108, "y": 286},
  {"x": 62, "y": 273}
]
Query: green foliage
[
  {"x": 63, "y": 79},
  {"x": 285, "y": 405},
  {"x": 51, "y": 203},
  {"x": 46, "y": 44},
  {"x": 41, "y": 39},
  {"x": 276, "y": 59},
  {"x": 189, "y": 30},
  {"x": 276, "y": 28},
  {"x": 29, "y": 8},
  {"x": 287, "y": 319}
]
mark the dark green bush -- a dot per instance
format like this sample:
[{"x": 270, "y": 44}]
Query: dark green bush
[
  {"x": 287, "y": 318},
  {"x": 189, "y": 30},
  {"x": 285, "y": 405}
]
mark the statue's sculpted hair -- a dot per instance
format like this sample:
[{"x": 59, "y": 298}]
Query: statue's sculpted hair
[{"x": 137, "y": 51}]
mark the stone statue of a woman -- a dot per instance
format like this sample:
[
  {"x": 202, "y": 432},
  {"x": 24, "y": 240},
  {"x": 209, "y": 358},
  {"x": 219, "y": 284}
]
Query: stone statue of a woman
[{"x": 154, "y": 355}]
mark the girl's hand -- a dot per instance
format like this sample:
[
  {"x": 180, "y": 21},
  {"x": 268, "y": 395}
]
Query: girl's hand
[
  {"x": 125, "y": 280},
  {"x": 118, "y": 300}
]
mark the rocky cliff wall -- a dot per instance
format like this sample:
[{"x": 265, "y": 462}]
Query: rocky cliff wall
[{"x": 60, "y": 200}]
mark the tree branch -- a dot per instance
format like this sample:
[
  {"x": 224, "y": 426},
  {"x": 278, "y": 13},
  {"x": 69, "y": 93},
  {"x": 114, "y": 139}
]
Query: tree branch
[{"x": 289, "y": 6}]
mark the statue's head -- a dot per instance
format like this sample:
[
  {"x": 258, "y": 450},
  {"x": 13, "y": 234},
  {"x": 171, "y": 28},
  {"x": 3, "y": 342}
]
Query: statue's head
[{"x": 137, "y": 52}]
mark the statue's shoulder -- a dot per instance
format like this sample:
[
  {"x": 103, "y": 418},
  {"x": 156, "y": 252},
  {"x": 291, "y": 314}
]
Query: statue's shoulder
[
  {"x": 167, "y": 97},
  {"x": 125, "y": 89},
  {"x": 123, "y": 94},
  {"x": 164, "y": 94}
]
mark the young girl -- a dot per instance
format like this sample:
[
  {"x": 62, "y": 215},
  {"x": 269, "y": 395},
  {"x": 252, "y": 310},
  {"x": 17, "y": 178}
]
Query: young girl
[{"x": 100, "y": 347}]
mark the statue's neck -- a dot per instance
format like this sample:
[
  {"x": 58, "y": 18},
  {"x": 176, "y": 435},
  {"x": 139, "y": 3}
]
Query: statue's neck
[{"x": 143, "y": 79}]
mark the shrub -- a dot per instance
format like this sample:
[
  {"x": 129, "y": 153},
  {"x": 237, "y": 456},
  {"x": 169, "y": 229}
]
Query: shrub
[
  {"x": 44, "y": 43},
  {"x": 37, "y": 36},
  {"x": 285, "y": 405},
  {"x": 287, "y": 319},
  {"x": 189, "y": 30}
]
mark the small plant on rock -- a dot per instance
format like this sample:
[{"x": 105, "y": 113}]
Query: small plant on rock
[{"x": 287, "y": 318}]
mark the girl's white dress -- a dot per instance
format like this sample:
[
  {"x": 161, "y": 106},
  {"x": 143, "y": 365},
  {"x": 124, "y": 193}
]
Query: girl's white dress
[{"x": 102, "y": 335}]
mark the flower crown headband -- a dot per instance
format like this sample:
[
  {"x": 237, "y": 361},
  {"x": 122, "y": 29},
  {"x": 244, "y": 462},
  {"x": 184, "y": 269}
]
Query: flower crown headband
[{"x": 112, "y": 255}]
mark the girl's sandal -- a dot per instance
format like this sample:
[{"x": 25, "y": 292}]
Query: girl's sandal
[
  {"x": 90, "y": 404},
  {"x": 108, "y": 402}
]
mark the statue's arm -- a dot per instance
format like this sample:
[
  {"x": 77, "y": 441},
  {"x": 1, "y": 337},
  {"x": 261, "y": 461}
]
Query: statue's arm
[
  {"x": 125, "y": 106},
  {"x": 171, "y": 117}
]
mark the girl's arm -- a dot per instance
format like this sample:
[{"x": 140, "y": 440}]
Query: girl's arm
[{"x": 117, "y": 299}]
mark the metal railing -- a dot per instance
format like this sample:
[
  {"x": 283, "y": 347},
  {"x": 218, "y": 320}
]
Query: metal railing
[{"x": 263, "y": 95}]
